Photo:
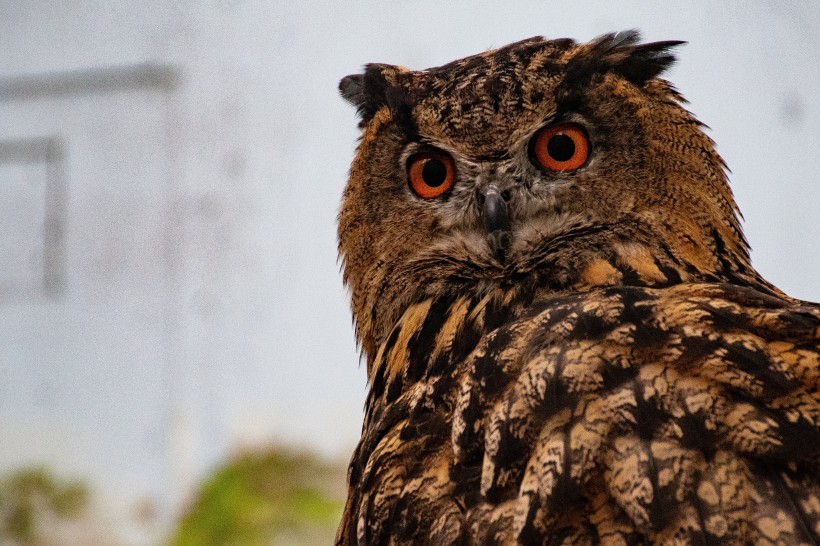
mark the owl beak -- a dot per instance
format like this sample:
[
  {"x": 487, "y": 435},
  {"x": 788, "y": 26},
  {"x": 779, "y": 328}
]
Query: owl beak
[
  {"x": 496, "y": 215},
  {"x": 495, "y": 211}
]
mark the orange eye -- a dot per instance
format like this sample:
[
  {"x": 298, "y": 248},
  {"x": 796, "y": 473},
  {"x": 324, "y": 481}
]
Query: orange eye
[
  {"x": 560, "y": 147},
  {"x": 431, "y": 173}
]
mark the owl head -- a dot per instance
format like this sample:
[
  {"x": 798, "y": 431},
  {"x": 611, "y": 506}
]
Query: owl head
[{"x": 542, "y": 165}]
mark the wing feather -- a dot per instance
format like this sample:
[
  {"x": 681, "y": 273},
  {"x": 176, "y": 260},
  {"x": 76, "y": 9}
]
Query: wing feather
[{"x": 633, "y": 415}]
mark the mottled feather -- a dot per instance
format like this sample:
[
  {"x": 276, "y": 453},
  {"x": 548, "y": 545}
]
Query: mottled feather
[{"x": 622, "y": 375}]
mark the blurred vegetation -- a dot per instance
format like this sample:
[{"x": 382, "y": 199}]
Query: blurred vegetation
[
  {"x": 32, "y": 500},
  {"x": 266, "y": 498}
]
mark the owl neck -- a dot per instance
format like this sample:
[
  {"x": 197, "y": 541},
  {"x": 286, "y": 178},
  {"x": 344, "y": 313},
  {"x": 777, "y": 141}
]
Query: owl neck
[
  {"x": 633, "y": 252},
  {"x": 578, "y": 258}
]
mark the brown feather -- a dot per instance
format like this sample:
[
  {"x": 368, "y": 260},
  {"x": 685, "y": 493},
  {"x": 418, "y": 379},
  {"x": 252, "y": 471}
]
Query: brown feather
[{"x": 622, "y": 374}]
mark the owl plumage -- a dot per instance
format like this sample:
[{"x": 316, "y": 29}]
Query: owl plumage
[{"x": 571, "y": 352}]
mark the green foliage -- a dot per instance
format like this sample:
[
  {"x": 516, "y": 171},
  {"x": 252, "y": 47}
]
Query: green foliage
[
  {"x": 265, "y": 498},
  {"x": 31, "y": 498}
]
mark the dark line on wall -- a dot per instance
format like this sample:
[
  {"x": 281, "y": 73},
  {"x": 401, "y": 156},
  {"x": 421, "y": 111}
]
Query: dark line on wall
[
  {"x": 31, "y": 150},
  {"x": 162, "y": 77},
  {"x": 48, "y": 151}
]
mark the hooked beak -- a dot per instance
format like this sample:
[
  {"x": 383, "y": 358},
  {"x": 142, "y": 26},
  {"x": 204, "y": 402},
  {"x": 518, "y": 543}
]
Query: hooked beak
[{"x": 496, "y": 216}]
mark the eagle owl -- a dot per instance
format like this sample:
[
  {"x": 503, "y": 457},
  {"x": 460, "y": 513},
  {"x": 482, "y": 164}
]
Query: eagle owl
[{"x": 566, "y": 342}]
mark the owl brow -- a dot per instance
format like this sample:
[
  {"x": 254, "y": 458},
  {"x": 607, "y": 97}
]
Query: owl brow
[{"x": 494, "y": 155}]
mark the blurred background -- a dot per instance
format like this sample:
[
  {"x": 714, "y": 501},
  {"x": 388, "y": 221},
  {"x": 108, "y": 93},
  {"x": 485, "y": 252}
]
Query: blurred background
[{"x": 177, "y": 363}]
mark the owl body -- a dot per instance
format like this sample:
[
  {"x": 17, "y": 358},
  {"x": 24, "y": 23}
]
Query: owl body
[{"x": 565, "y": 339}]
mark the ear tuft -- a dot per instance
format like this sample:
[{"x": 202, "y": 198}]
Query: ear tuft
[
  {"x": 647, "y": 61},
  {"x": 623, "y": 54},
  {"x": 352, "y": 89},
  {"x": 370, "y": 91}
]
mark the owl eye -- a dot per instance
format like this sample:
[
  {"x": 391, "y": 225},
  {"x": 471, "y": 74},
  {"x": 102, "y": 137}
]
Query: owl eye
[
  {"x": 560, "y": 147},
  {"x": 430, "y": 173}
]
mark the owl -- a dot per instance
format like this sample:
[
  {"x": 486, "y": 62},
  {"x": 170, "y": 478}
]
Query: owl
[{"x": 566, "y": 342}]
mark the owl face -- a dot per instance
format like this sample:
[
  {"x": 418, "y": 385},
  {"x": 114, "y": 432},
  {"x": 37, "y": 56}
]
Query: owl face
[{"x": 540, "y": 162}]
